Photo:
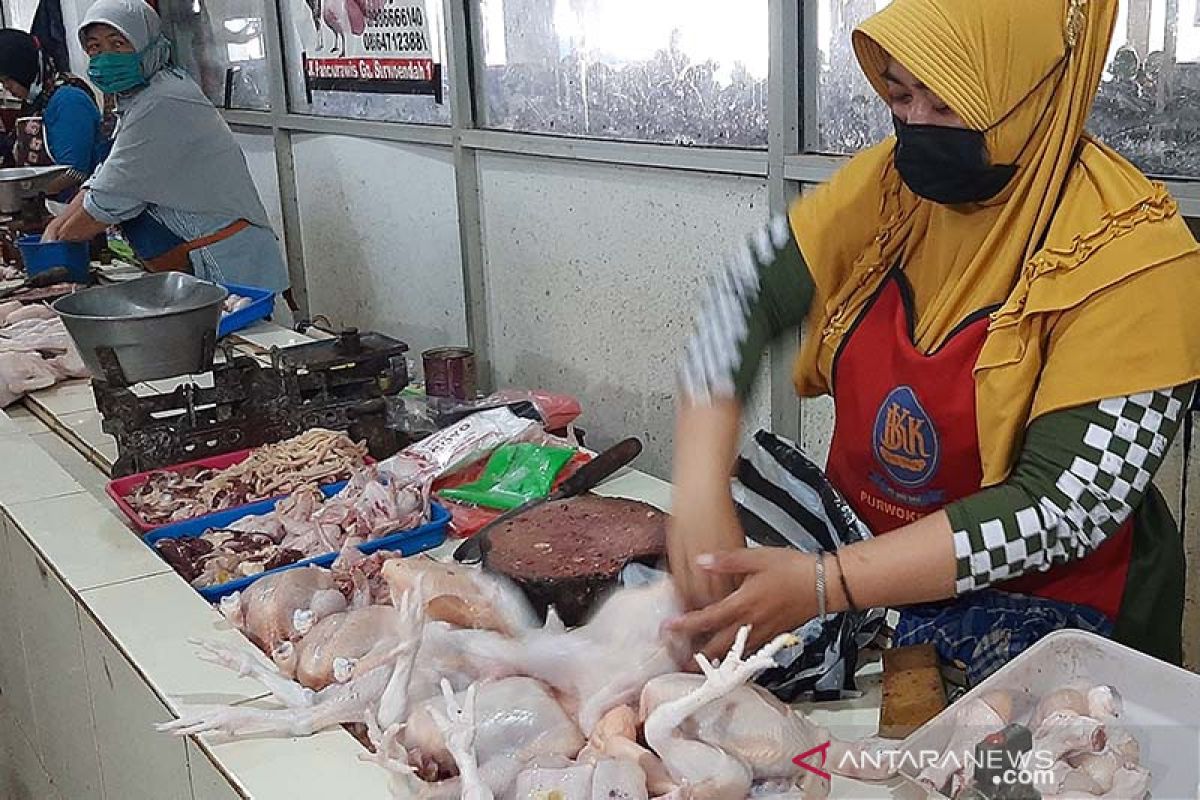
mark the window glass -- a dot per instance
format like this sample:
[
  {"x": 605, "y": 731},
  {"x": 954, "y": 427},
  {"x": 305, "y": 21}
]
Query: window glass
[
  {"x": 1147, "y": 108},
  {"x": 220, "y": 43},
  {"x": 320, "y": 29},
  {"x": 673, "y": 71}
]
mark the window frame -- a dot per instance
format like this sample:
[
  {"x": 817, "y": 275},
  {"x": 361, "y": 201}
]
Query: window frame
[{"x": 789, "y": 164}]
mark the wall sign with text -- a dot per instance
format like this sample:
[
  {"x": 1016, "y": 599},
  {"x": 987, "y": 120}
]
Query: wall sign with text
[{"x": 381, "y": 46}]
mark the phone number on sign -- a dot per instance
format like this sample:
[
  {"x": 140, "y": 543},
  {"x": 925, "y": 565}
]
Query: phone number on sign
[
  {"x": 402, "y": 17},
  {"x": 395, "y": 41}
]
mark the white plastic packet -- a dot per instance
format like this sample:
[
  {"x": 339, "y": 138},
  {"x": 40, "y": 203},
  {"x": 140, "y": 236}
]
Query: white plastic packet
[{"x": 470, "y": 439}]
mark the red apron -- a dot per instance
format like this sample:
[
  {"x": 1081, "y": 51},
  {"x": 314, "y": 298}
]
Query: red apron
[{"x": 905, "y": 443}]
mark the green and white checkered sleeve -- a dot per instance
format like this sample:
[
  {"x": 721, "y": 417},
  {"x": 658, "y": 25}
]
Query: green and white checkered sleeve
[
  {"x": 1080, "y": 475},
  {"x": 762, "y": 291}
]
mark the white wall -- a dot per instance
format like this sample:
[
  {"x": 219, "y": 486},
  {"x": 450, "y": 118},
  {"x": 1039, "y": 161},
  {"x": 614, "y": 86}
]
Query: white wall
[
  {"x": 260, "y": 158},
  {"x": 379, "y": 227},
  {"x": 593, "y": 273}
]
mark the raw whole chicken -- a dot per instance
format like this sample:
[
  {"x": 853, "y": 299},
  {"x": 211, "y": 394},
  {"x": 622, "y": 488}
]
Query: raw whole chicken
[
  {"x": 619, "y": 780},
  {"x": 343, "y": 645},
  {"x": 7, "y": 308},
  {"x": 718, "y": 736},
  {"x": 1074, "y": 728},
  {"x": 35, "y": 352},
  {"x": 598, "y": 666},
  {"x": 375, "y": 693},
  {"x": 283, "y": 607},
  {"x": 22, "y": 373},
  {"x": 462, "y": 596},
  {"x": 974, "y": 721},
  {"x": 517, "y": 723}
]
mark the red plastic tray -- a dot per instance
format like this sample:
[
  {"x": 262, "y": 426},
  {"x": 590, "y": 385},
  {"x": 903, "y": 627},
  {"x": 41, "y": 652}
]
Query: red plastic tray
[{"x": 121, "y": 488}]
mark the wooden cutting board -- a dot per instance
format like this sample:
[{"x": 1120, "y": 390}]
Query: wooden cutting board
[{"x": 913, "y": 692}]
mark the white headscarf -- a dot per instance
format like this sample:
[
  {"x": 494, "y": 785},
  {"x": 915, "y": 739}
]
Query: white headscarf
[
  {"x": 139, "y": 23},
  {"x": 172, "y": 147}
]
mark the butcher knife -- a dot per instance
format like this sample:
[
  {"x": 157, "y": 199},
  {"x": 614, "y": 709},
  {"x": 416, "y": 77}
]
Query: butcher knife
[{"x": 586, "y": 478}]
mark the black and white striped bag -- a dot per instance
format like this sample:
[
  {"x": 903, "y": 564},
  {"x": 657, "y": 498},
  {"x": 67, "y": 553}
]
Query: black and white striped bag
[{"x": 784, "y": 500}]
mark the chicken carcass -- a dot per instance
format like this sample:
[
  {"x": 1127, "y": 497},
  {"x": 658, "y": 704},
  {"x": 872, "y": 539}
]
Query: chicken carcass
[
  {"x": 615, "y": 738},
  {"x": 283, "y": 607},
  {"x": 22, "y": 373},
  {"x": 32, "y": 311},
  {"x": 462, "y": 596},
  {"x": 973, "y": 722},
  {"x": 518, "y": 723},
  {"x": 7, "y": 308},
  {"x": 609, "y": 779},
  {"x": 596, "y": 667},
  {"x": 342, "y": 645},
  {"x": 717, "y": 736},
  {"x": 378, "y": 695}
]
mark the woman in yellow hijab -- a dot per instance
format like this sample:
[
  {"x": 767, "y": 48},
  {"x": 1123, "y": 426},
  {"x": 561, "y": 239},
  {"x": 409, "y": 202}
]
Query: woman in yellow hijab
[{"x": 1005, "y": 313}]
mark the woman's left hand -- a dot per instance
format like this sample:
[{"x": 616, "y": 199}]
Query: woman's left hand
[{"x": 777, "y": 595}]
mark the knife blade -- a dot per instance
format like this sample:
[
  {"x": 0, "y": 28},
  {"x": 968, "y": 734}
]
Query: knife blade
[{"x": 586, "y": 478}]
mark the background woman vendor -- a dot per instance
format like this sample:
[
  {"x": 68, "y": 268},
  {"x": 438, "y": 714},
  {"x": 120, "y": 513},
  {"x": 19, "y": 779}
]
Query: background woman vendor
[
  {"x": 60, "y": 118},
  {"x": 176, "y": 180},
  {"x": 1004, "y": 311}
]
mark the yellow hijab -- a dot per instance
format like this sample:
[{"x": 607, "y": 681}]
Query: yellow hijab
[{"x": 1097, "y": 275}]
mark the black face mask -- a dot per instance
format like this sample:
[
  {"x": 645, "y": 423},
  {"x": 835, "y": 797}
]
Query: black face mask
[{"x": 948, "y": 165}]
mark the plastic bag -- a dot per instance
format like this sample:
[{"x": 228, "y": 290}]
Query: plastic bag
[
  {"x": 467, "y": 520},
  {"x": 472, "y": 439},
  {"x": 515, "y": 474}
]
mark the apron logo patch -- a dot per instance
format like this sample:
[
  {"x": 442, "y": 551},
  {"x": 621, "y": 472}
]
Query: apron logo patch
[{"x": 905, "y": 441}]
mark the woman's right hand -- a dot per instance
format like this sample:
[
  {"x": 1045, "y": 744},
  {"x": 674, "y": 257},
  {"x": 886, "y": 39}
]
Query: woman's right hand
[
  {"x": 703, "y": 519},
  {"x": 51, "y": 232},
  {"x": 702, "y": 526}
]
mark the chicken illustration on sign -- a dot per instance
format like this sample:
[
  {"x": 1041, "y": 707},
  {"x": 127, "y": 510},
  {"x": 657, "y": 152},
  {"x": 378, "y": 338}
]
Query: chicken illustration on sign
[{"x": 380, "y": 46}]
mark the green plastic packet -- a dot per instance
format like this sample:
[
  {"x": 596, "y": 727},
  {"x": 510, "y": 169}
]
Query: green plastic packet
[{"x": 515, "y": 474}]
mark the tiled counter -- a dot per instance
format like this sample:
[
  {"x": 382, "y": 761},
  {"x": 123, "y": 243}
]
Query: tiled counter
[{"x": 94, "y": 645}]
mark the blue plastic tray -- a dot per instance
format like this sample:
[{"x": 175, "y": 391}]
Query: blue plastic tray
[
  {"x": 416, "y": 540},
  {"x": 261, "y": 307}
]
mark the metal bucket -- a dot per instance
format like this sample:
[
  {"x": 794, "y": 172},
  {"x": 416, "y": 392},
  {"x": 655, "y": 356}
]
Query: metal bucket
[
  {"x": 449, "y": 372},
  {"x": 158, "y": 326}
]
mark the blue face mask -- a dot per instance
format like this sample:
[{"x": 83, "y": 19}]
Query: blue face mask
[{"x": 113, "y": 73}]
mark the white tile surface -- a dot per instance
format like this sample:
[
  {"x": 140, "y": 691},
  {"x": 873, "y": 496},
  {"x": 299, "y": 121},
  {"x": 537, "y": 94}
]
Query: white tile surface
[
  {"x": 25, "y": 421},
  {"x": 86, "y": 427},
  {"x": 151, "y": 620},
  {"x": 21, "y": 774},
  {"x": 207, "y": 781},
  {"x": 8, "y": 425},
  {"x": 64, "y": 736},
  {"x": 136, "y": 761},
  {"x": 268, "y": 335},
  {"x": 165, "y": 385},
  {"x": 14, "y": 675},
  {"x": 28, "y": 473},
  {"x": 66, "y": 398},
  {"x": 326, "y": 765},
  {"x": 638, "y": 486},
  {"x": 65, "y": 454},
  {"x": 87, "y": 545}
]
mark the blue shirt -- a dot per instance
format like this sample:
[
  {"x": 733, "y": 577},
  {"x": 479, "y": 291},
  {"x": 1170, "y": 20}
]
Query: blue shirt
[{"x": 71, "y": 121}]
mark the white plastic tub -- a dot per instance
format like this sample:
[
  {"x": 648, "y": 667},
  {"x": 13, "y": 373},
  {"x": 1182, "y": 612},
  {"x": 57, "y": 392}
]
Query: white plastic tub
[{"x": 1162, "y": 704}]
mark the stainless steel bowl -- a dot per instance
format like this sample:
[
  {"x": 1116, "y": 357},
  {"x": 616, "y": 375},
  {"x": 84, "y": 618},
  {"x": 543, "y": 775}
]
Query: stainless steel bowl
[
  {"x": 19, "y": 185},
  {"x": 158, "y": 326}
]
